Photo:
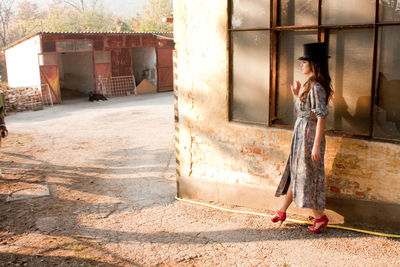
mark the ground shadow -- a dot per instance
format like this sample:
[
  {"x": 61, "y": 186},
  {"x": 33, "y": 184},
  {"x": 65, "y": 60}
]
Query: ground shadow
[{"x": 10, "y": 259}]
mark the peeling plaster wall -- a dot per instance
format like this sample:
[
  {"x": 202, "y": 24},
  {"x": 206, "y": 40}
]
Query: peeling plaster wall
[{"x": 214, "y": 150}]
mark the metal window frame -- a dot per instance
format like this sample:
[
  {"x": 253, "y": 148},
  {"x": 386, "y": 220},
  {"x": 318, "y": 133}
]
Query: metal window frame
[
  {"x": 83, "y": 50},
  {"x": 74, "y": 41},
  {"x": 65, "y": 41},
  {"x": 229, "y": 96},
  {"x": 323, "y": 35}
]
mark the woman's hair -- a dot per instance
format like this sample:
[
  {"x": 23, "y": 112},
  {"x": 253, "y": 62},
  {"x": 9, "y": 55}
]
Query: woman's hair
[{"x": 320, "y": 75}]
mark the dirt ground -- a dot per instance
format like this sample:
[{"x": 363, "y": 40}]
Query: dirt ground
[{"x": 109, "y": 167}]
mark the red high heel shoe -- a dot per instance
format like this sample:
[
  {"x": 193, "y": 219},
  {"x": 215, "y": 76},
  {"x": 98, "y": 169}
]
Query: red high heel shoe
[
  {"x": 321, "y": 227},
  {"x": 280, "y": 218}
]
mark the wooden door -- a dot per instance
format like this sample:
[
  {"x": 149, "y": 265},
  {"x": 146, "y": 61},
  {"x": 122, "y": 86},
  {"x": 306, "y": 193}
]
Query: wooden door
[
  {"x": 48, "y": 63},
  {"x": 165, "y": 69},
  {"x": 121, "y": 61}
]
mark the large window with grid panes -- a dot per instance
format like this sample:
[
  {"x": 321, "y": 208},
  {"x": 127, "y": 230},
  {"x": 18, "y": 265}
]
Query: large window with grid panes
[{"x": 363, "y": 36}]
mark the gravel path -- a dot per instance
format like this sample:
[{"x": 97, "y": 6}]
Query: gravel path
[{"x": 110, "y": 169}]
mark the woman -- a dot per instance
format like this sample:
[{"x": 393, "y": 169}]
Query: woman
[{"x": 303, "y": 181}]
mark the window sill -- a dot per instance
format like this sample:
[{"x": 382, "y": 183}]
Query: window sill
[{"x": 331, "y": 133}]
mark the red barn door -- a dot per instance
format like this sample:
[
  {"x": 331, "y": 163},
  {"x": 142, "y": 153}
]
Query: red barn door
[
  {"x": 48, "y": 63},
  {"x": 165, "y": 69}
]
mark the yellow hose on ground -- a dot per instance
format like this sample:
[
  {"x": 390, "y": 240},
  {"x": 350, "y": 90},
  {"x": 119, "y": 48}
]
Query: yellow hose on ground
[{"x": 290, "y": 220}]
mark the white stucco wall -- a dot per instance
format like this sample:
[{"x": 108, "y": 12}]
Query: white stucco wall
[{"x": 23, "y": 63}]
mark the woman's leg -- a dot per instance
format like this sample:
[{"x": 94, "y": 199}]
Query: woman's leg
[
  {"x": 288, "y": 200},
  {"x": 317, "y": 214},
  {"x": 285, "y": 205}
]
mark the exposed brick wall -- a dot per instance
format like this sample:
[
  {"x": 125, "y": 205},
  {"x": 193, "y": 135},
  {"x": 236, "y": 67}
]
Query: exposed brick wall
[{"x": 23, "y": 98}]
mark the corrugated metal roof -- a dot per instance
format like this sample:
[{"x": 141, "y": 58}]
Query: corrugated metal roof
[{"x": 169, "y": 35}]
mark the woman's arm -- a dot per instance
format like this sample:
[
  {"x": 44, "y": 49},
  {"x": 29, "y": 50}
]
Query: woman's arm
[{"x": 316, "y": 151}]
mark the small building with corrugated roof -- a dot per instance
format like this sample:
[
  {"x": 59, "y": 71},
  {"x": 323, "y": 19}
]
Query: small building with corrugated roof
[{"x": 65, "y": 64}]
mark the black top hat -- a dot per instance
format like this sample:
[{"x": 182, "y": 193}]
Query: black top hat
[{"x": 315, "y": 52}]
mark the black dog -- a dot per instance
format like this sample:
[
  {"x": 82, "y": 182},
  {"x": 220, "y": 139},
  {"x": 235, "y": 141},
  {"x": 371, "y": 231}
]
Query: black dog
[{"x": 96, "y": 97}]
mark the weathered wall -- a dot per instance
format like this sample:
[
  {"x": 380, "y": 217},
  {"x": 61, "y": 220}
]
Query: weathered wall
[
  {"x": 23, "y": 63},
  {"x": 229, "y": 162},
  {"x": 22, "y": 98}
]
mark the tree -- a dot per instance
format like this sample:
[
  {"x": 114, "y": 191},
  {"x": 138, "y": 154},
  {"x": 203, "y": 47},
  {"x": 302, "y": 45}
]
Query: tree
[
  {"x": 151, "y": 19},
  {"x": 96, "y": 18},
  {"x": 5, "y": 17},
  {"x": 26, "y": 21},
  {"x": 60, "y": 19},
  {"x": 77, "y": 16},
  {"x": 82, "y": 5},
  {"x": 77, "y": 4},
  {"x": 122, "y": 26}
]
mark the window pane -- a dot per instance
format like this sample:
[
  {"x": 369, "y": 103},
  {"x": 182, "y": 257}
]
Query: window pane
[
  {"x": 65, "y": 46},
  {"x": 290, "y": 49},
  {"x": 83, "y": 45},
  {"x": 250, "y": 14},
  {"x": 47, "y": 59},
  {"x": 387, "y": 119},
  {"x": 390, "y": 10},
  {"x": 348, "y": 11},
  {"x": 250, "y": 75},
  {"x": 350, "y": 69},
  {"x": 102, "y": 57},
  {"x": 49, "y": 46},
  {"x": 301, "y": 12}
]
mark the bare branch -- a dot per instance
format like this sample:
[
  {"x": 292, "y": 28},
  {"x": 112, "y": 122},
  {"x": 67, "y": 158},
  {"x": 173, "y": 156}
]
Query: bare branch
[
  {"x": 5, "y": 17},
  {"x": 80, "y": 8},
  {"x": 83, "y": 5}
]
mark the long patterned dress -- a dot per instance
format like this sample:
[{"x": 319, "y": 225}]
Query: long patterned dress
[{"x": 307, "y": 178}]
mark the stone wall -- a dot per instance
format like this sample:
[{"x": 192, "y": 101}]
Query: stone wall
[
  {"x": 241, "y": 164},
  {"x": 22, "y": 98}
]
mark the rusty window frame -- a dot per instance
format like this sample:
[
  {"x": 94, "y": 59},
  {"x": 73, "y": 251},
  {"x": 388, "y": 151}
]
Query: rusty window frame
[
  {"x": 229, "y": 96},
  {"x": 322, "y": 33},
  {"x": 83, "y": 50},
  {"x": 64, "y": 41},
  {"x": 74, "y": 41}
]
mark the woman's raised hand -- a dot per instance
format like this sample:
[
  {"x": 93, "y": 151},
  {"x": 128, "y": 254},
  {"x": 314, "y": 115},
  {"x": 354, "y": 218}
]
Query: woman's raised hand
[{"x": 295, "y": 88}]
